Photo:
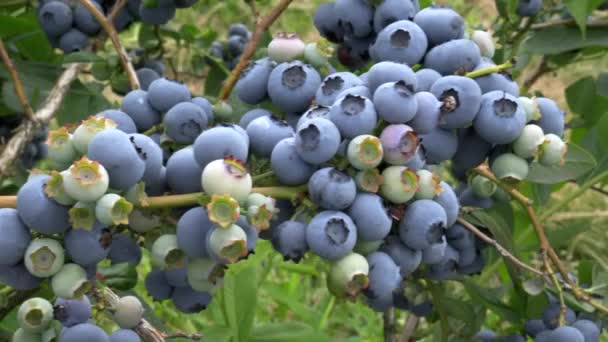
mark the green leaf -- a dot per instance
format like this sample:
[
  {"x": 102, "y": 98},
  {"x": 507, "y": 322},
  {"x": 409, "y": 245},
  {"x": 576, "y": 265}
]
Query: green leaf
[
  {"x": 535, "y": 306},
  {"x": 577, "y": 163},
  {"x": 556, "y": 40},
  {"x": 82, "y": 57},
  {"x": 287, "y": 332},
  {"x": 462, "y": 311},
  {"x": 506, "y": 8},
  {"x": 585, "y": 271},
  {"x": 602, "y": 84},
  {"x": 300, "y": 309},
  {"x": 121, "y": 276},
  {"x": 584, "y": 99},
  {"x": 490, "y": 299},
  {"x": 240, "y": 300},
  {"x": 534, "y": 286},
  {"x": 580, "y": 9},
  {"x": 215, "y": 77}
]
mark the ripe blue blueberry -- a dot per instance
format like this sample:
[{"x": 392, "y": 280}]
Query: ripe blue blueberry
[
  {"x": 163, "y": 94},
  {"x": 402, "y": 41},
  {"x": 88, "y": 247},
  {"x": 265, "y": 132},
  {"x": 353, "y": 115},
  {"x": 552, "y": 117},
  {"x": 158, "y": 15},
  {"x": 39, "y": 212},
  {"x": 73, "y": 41},
  {"x": 219, "y": 142},
  {"x": 472, "y": 151},
  {"x": 332, "y": 189},
  {"x": 395, "y": 102},
  {"x": 384, "y": 279},
  {"x": 289, "y": 239},
  {"x": 440, "y": 24},
  {"x": 589, "y": 329},
  {"x": 551, "y": 316},
  {"x": 124, "y": 249},
  {"x": 534, "y": 327},
  {"x": 496, "y": 81},
  {"x": 501, "y": 118},
  {"x": 370, "y": 215},
  {"x": 566, "y": 334},
  {"x": 461, "y": 99},
  {"x": 333, "y": 85},
  {"x": 292, "y": 86},
  {"x": 206, "y": 106},
  {"x": 14, "y": 239},
  {"x": 72, "y": 311},
  {"x": 529, "y": 8},
  {"x": 146, "y": 76},
  {"x": 18, "y": 277},
  {"x": 184, "y": 122},
  {"x": 434, "y": 253},
  {"x": 317, "y": 140},
  {"x": 460, "y": 55},
  {"x": 55, "y": 18},
  {"x": 327, "y": 22},
  {"x": 314, "y": 112},
  {"x": 439, "y": 145},
  {"x": 390, "y": 11},
  {"x": 84, "y": 332},
  {"x": 355, "y": 17},
  {"x": 192, "y": 228},
  {"x": 251, "y": 88},
  {"x": 423, "y": 224},
  {"x": 84, "y": 19},
  {"x": 157, "y": 285},
  {"x": 425, "y": 79},
  {"x": 287, "y": 164},
  {"x": 188, "y": 300},
  {"x": 136, "y": 105},
  {"x": 183, "y": 172},
  {"x": 384, "y": 72},
  {"x": 407, "y": 259},
  {"x": 331, "y": 234},
  {"x": 124, "y": 335},
  {"x": 252, "y": 115}
]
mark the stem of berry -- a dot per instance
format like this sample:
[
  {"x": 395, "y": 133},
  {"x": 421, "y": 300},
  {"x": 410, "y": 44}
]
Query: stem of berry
[{"x": 490, "y": 70}]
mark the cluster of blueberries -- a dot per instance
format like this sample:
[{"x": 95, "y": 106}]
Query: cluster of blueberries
[
  {"x": 230, "y": 51},
  {"x": 69, "y": 26}
]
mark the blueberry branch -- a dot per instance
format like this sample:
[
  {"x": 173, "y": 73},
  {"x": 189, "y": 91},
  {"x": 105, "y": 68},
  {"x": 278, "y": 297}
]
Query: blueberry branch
[
  {"x": 111, "y": 32},
  {"x": 260, "y": 27},
  {"x": 409, "y": 328},
  {"x": 560, "y": 292},
  {"x": 490, "y": 70},
  {"x": 29, "y": 112}
]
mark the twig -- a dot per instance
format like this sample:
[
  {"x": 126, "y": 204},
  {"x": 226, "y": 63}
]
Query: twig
[
  {"x": 108, "y": 27},
  {"x": 500, "y": 249},
  {"x": 260, "y": 27},
  {"x": 27, "y": 128},
  {"x": 117, "y": 7},
  {"x": 388, "y": 318},
  {"x": 29, "y": 112},
  {"x": 594, "y": 188},
  {"x": 560, "y": 293},
  {"x": 193, "y": 337},
  {"x": 568, "y": 22},
  {"x": 410, "y": 328},
  {"x": 540, "y": 70}
]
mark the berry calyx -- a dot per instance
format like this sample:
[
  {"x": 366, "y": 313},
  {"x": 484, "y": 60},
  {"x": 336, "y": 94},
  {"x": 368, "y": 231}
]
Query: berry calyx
[{"x": 223, "y": 210}]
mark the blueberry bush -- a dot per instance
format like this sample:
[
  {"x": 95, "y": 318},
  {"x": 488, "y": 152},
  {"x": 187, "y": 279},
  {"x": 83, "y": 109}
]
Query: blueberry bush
[{"x": 281, "y": 170}]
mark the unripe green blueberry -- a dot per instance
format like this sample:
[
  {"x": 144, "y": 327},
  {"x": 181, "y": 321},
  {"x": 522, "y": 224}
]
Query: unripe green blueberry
[
  {"x": 35, "y": 315},
  {"x": 260, "y": 210},
  {"x": 205, "y": 274},
  {"x": 227, "y": 176},
  {"x": 82, "y": 215},
  {"x": 55, "y": 189},
  {"x": 137, "y": 194},
  {"x": 166, "y": 253},
  {"x": 348, "y": 276},
  {"x": 112, "y": 209},
  {"x": 285, "y": 47},
  {"x": 70, "y": 282},
  {"x": 400, "y": 184},
  {"x": 87, "y": 130},
  {"x": 501, "y": 195},
  {"x": 223, "y": 210},
  {"x": 227, "y": 244},
  {"x": 483, "y": 187},
  {"x": 314, "y": 56},
  {"x": 485, "y": 42},
  {"x": 369, "y": 180},
  {"x": 86, "y": 180},
  {"x": 531, "y": 108},
  {"x": 367, "y": 247},
  {"x": 142, "y": 221},
  {"x": 129, "y": 312},
  {"x": 365, "y": 152},
  {"x": 52, "y": 333},
  {"x": 44, "y": 257},
  {"x": 60, "y": 147},
  {"x": 428, "y": 185},
  {"x": 528, "y": 143},
  {"x": 21, "y": 335},
  {"x": 223, "y": 111},
  {"x": 552, "y": 151},
  {"x": 511, "y": 167}
]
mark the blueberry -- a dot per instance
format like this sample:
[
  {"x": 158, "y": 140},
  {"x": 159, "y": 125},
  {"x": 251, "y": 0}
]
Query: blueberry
[
  {"x": 84, "y": 19},
  {"x": 427, "y": 116},
  {"x": 360, "y": 90},
  {"x": 446, "y": 268},
  {"x": 184, "y": 122},
  {"x": 529, "y": 142},
  {"x": 461, "y": 55},
  {"x": 124, "y": 335},
  {"x": 317, "y": 140},
  {"x": 365, "y": 152},
  {"x": 14, "y": 239},
  {"x": 72, "y": 311},
  {"x": 496, "y": 81},
  {"x": 425, "y": 79},
  {"x": 355, "y": 17},
  {"x": 114, "y": 150},
  {"x": 151, "y": 154},
  {"x": 39, "y": 212},
  {"x": 265, "y": 132},
  {"x": 206, "y": 106},
  {"x": 146, "y": 76},
  {"x": 183, "y": 172},
  {"x": 226, "y": 245},
  {"x": 439, "y": 145},
  {"x": 501, "y": 118},
  {"x": 73, "y": 41},
  {"x": 164, "y": 94},
  {"x": 566, "y": 334},
  {"x": 88, "y": 247},
  {"x": 552, "y": 117},
  {"x": 331, "y": 234},
  {"x": 55, "y": 18},
  {"x": 552, "y": 151},
  {"x": 192, "y": 228},
  {"x": 348, "y": 276},
  {"x": 390, "y": 11},
  {"x": 551, "y": 316},
  {"x": 486, "y": 336},
  {"x": 292, "y": 86},
  {"x": 332, "y": 189},
  {"x": 472, "y": 151},
  {"x": 239, "y": 30},
  {"x": 285, "y": 47},
  {"x": 327, "y": 22},
  {"x": 18, "y": 277},
  {"x": 440, "y": 24},
  {"x": 289, "y": 239},
  {"x": 510, "y": 166},
  {"x": 533, "y": 327},
  {"x": 35, "y": 315},
  {"x": 251, "y": 88},
  {"x": 485, "y": 42},
  {"x": 177, "y": 276},
  {"x": 407, "y": 259},
  {"x": 353, "y": 115},
  {"x": 434, "y": 253},
  {"x": 250, "y": 230},
  {"x": 589, "y": 329},
  {"x": 395, "y": 102},
  {"x": 188, "y": 300},
  {"x": 84, "y": 332},
  {"x": 227, "y": 177},
  {"x": 159, "y": 15},
  {"x": 287, "y": 165},
  {"x": 402, "y": 41},
  {"x": 125, "y": 123},
  {"x": 400, "y": 184},
  {"x": 384, "y": 279},
  {"x": 184, "y": 3},
  {"x": 157, "y": 285},
  {"x": 354, "y": 53},
  {"x": 461, "y": 100},
  {"x": 423, "y": 224},
  {"x": 529, "y": 8},
  {"x": 469, "y": 199},
  {"x": 219, "y": 142},
  {"x": 124, "y": 249},
  {"x": 333, "y": 85},
  {"x": 314, "y": 112},
  {"x": 370, "y": 215},
  {"x": 136, "y": 105},
  {"x": 384, "y": 72}
]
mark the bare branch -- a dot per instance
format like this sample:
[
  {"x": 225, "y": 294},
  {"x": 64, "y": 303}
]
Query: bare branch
[
  {"x": 28, "y": 128},
  {"x": 117, "y": 7},
  {"x": 29, "y": 112},
  {"x": 410, "y": 328}
]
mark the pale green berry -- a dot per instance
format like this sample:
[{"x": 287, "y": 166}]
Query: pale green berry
[
  {"x": 87, "y": 130},
  {"x": 528, "y": 143},
  {"x": 223, "y": 210},
  {"x": 367, "y": 247},
  {"x": 70, "y": 282},
  {"x": 285, "y": 47},
  {"x": 223, "y": 111},
  {"x": 428, "y": 185},
  {"x": 112, "y": 209},
  {"x": 35, "y": 315},
  {"x": 21, "y": 335},
  {"x": 55, "y": 189},
  {"x": 260, "y": 210},
  {"x": 137, "y": 194},
  {"x": 82, "y": 215},
  {"x": 400, "y": 184},
  {"x": 52, "y": 333},
  {"x": 166, "y": 253},
  {"x": 369, "y": 180},
  {"x": 86, "y": 180},
  {"x": 348, "y": 276},
  {"x": 531, "y": 108},
  {"x": 227, "y": 244},
  {"x": 61, "y": 150},
  {"x": 205, "y": 274},
  {"x": 552, "y": 151},
  {"x": 483, "y": 187},
  {"x": 485, "y": 42},
  {"x": 510, "y": 167},
  {"x": 227, "y": 176},
  {"x": 142, "y": 221},
  {"x": 129, "y": 312},
  {"x": 501, "y": 195},
  {"x": 314, "y": 56},
  {"x": 44, "y": 257},
  {"x": 365, "y": 152}
]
